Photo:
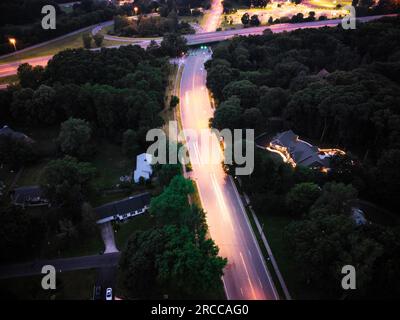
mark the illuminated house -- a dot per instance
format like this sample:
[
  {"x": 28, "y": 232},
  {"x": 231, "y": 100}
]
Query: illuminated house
[{"x": 299, "y": 152}]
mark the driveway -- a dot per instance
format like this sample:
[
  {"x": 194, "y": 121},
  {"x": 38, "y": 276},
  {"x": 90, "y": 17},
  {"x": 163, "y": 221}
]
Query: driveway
[{"x": 107, "y": 233}]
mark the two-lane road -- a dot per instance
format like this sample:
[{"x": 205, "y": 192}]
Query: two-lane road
[{"x": 246, "y": 276}]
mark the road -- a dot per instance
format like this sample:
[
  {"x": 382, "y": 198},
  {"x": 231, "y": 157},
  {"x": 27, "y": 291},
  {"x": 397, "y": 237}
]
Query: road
[
  {"x": 61, "y": 265},
  {"x": 246, "y": 276},
  {"x": 212, "y": 16},
  {"x": 201, "y": 38}
]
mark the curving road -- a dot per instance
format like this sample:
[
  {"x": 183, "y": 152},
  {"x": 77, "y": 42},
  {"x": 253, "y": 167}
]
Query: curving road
[
  {"x": 7, "y": 69},
  {"x": 246, "y": 276}
]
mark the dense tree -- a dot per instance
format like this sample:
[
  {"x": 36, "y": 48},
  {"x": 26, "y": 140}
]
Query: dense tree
[
  {"x": 301, "y": 197},
  {"x": 246, "y": 91},
  {"x": 167, "y": 172},
  {"x": 228, "y": 115},
  {"x": 21, "y": 234},
  {"x": 172, "y": 205},
  {"x": 174, "y": 102},
  {"x": 30, "y": 77},
  {"x": 43, "y": 109},
  {"x": 17, "y": 152},
  {"x": 67, "y": 182},
  {"x": 98, "y": 39},
  {"x": 245, "y": 19},
  {"x": 334, "y": 197},
  {"x": 87, "y": 40},
  {"x": 130, "y": 143},
  {"x": 171, "y": 261},
  {"x": 173, "y": 45},
  {"x": 388, "y": 177},
  {"x": 74, "y": 138},
  {"x": 254, "y": 20}
]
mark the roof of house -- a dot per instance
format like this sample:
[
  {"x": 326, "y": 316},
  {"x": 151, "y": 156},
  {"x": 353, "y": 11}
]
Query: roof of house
[
  {"x": 29, "y": 194},
  {"x": 123, "y": 206},
  {"x": 301, "y": 151},
  {"x": 143, "y": 167},
  {"x": 7, "y": 131}
]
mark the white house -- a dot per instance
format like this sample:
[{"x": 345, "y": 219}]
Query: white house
[{"x": 143, "y": 167}]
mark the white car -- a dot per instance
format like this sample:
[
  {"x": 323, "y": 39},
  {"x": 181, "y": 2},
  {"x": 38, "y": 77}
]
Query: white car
[{"x": 109, "y": 294}]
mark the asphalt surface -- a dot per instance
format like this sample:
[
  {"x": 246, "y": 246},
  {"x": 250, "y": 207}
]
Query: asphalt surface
[
  {"x": 107, "y": 233},
  {"x": 201, "y": 38},
  {"x": 61, "y": 265},
  {"x": 246, "y": 276}
]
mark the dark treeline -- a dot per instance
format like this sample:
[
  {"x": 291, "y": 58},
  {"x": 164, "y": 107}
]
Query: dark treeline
[
  {"x": 21, "y": 19},
  {"x": 336, "y": 88},
  {"x": 113, "y": 89},
  {"x": 330, "y": 85},
  {"x": 112, "y": 94}
]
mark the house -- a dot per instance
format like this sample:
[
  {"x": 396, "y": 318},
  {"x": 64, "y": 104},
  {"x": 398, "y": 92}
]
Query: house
[
  {"x": 299, "y": 152},
  {"x": 143, "y": 167},
  {"x": 123, "y": 209},
  {"x": 6, "y": 131},
  {"x": 29, "y": 196}
]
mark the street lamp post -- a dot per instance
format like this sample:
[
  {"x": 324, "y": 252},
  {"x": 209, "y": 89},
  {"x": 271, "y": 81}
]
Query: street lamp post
[
  {"x": 13, "y": 42},
  {"x": 136, "y": 9}
]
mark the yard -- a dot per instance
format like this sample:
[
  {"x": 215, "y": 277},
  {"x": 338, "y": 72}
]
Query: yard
[
  {"x": 124, "y": 230},
  {"x": 72, "y": 285},
  {"x": 111, "y": 165},
  {"x": 273, "y": 227},
  {"x": 69, "y": 42}
]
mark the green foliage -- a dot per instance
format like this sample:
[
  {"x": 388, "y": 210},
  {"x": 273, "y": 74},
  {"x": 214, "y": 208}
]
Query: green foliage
[
  {"x": 174, "y": 102},
  {"x": 87, "y": 40},
  {"x": 166, "y": 172},
  {"x": 173, "y": 44},
  {"x": 130, "y": 143},
  {"x": 171, "y": 261},
  {"x": 300, "y": 198},
  {"x": 172, "y": 205},
  {"x": 98, "y": 39},
  {"x": 334, "y": 198},
  {"x": 17, "y": 152},
  {"x": 74, "y": 138},
  {"x": 245, "y": 19},
  {"x": 30, "y": 77},
  {"x": 67, "y": 182},
  {"x": 20, "y": 235},
  {"x": 228, "y": 114}
]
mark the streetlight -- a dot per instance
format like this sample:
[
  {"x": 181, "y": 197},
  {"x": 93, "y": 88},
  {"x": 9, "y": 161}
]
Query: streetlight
[
  {"x": 13, "y": 42},
  {"x": 136, "y": 9}
]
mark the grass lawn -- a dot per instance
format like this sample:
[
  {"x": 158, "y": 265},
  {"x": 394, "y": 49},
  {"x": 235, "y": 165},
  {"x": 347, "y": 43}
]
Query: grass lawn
[
  {"x": 72, "y": 285},
  {"x": 83, "y": 246},
  {"x": 274, "y": 226},
  {"x": 124, "y": 230},
  {"x": 9, "y": 79},
  {"x": 111, "y": 164},
  {"x": 70, "y": 42}
]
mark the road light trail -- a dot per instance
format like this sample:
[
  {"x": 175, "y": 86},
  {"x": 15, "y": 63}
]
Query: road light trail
[{"x": 246, "y": 276}]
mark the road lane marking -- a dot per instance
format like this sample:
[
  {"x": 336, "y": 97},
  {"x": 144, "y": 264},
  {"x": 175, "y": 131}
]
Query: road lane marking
[
  {"x": 248, "y": 276},
  {"x": 221, "y": 201},
  {"x": 226, "y": 290},
  {"x": 259, "y": 281}
]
